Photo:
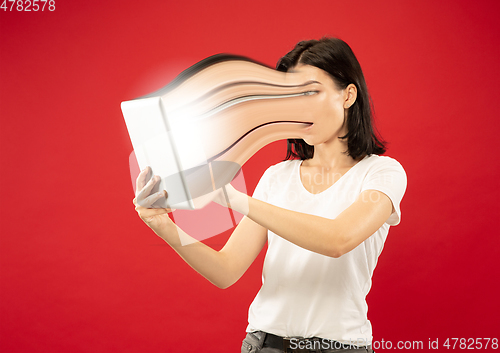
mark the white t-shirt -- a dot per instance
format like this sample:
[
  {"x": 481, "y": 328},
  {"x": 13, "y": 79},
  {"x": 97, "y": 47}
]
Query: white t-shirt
[{"x": 306, "y": 294}]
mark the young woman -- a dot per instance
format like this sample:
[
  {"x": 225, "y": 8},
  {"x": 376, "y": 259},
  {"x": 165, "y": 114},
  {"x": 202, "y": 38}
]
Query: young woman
[{"x": 325, "y": 213}]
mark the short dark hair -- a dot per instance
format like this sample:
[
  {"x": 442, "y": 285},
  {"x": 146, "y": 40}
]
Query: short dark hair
[{"x": 334, "y": 56}]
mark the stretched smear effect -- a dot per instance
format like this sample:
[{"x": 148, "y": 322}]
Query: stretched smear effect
[{"x": 197, "y": 131}]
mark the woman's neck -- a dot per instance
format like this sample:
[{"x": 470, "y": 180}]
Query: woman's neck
[{"x": 331, "y": 155}]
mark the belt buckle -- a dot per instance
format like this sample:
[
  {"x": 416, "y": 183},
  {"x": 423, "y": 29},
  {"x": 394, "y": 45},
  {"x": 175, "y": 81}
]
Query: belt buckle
[{"x": 287, "y": 348}]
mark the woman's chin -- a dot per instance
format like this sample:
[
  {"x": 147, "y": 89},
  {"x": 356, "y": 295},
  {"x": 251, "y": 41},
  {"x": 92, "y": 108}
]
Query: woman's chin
[
  {"x": 311, "y": 138},
  {"x": 310, "y": 141}
]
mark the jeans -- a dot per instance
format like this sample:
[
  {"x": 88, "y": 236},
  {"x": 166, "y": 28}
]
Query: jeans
[{"x": 254, "y": 340}]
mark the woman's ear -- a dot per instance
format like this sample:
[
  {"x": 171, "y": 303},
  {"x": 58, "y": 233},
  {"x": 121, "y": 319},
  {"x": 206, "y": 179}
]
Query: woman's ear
[{"x": 351, "y": 93}]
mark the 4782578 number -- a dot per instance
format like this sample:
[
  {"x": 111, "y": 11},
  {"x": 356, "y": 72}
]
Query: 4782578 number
[
  {"x": 471, "y": 343},
  {"x": 28, "y": 5}
]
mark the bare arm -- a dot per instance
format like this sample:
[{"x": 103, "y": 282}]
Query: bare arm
[
  {"x": 330, "y": 237},
  {"x": 222, "y": 268}
]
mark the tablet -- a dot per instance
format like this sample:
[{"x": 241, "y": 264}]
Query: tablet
[
  {"x": 197, "y": 132},
  {"x": 171, "y": 144}
]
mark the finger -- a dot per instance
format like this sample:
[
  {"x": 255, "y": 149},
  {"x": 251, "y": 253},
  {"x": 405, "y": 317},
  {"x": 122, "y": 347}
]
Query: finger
[
  {"x": 146, "y": 190},
  {"x": 151, "y": 199},
  {"x": 169, "y": 210},
  {"x": 141, "y": 179},
  {"x": 141, "y": 209},
  {"x": 150, "y": 212}
]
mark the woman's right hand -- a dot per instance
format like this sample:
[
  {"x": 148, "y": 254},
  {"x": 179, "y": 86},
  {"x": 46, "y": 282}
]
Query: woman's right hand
[{"x": 155, "y": 218}]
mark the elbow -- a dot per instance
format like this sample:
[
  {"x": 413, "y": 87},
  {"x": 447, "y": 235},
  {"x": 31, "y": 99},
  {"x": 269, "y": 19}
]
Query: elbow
[
  {"x": 221, "y": 284},
  {"x": 224, "y": 284},
  {"x": 335, "y": 254},
  {"x": 338, "y": 247}
]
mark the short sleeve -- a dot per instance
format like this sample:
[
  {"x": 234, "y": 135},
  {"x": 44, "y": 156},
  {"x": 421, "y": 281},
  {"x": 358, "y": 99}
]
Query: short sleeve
[
  {"x": 261, "y": 191},
  {"x": 389, "y": 177}
]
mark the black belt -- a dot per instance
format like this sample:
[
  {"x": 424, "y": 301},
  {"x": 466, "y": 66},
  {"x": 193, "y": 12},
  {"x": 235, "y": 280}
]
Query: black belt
[{"x": 303, "y": 345}]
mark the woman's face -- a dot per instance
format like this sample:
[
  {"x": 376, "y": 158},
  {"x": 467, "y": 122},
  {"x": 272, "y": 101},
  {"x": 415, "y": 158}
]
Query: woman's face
[{"x": 329, "y": 112}]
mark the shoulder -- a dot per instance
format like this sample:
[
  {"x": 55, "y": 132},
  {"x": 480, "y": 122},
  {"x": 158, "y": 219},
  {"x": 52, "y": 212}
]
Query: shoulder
[
  {"x": 375, "y": 164},
  {"x": 383, "y": 173},
  {"x": 374, "y": 161},
  {"x": 283, "y": 167},
  {"x": 275, "y": 175},
  {"x": 387, "y": 175},
  {"x": 280, "y": 172}
]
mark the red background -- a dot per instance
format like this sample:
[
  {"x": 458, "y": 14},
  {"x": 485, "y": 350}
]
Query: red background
[{"x": 80, "y": 272}]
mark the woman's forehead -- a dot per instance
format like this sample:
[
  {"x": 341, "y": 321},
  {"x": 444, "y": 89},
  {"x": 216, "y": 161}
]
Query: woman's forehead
[{"x": 311, "y": 72}]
